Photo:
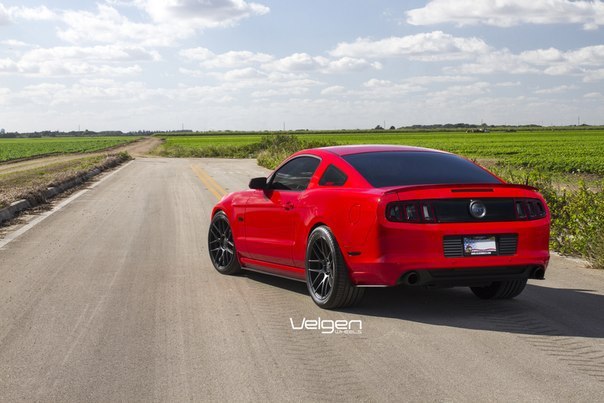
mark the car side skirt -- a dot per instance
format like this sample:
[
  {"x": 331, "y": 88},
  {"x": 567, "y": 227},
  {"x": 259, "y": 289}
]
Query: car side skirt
[{"x": 289, "y": 272}]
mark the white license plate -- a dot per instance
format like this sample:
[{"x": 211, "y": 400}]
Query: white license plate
[{"x": 479, "y": 245}]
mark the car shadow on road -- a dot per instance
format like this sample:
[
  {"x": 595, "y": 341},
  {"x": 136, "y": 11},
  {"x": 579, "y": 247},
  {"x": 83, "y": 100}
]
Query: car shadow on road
[
  {"x": 286, "y": 284},
  {"x": 539, "y": 310}
]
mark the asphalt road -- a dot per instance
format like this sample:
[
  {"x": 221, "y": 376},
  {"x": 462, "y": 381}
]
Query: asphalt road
[{"x": 112, "y": 297}]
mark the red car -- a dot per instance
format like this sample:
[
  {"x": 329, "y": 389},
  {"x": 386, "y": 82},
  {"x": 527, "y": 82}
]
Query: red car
[{"x": 348, "y": 217}]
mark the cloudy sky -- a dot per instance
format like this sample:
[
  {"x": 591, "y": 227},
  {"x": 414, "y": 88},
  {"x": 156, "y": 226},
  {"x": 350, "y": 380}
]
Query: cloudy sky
[{"x": 260, "y": 65}]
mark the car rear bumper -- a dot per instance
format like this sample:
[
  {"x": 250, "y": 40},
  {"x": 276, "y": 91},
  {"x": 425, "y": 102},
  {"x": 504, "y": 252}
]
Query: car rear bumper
[
  {"x": 391, "y": 275},
  {"x": 392, "y": 253}
]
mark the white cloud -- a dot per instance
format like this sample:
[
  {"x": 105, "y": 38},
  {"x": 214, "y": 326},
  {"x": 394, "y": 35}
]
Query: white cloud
[
  {"x": 4, "y": 15},
  {"x": 106, "y": 60},
  {"x": 379, "y": 89},
  {"x": 170, "y": 21},
  {"x": 431, "y": 46},
  {"x": 427, "y": 80},
  {"x": 107, "y": 25},
  {"x": 8, "y": 66},
  {"x": 593, "y": 95},
  {"x": 13, "y": 43},
  {"x": 247, "y": 73},
  {"x": 40, "y": 13},
  {"x": 594, "y": 75},
  {"x": 333, "y": 90},
  {"x": 505, "y": 84},
  {"x": 303, "y": 62},
  {"x": 13, "y": 13},
  {"x": 298, "y": 62},
  {"x": 462, "y": 91},
  {"x": 550, "y": 61},
  {"x": 507, "y": 13},
  {"x": 377, "y": 83},
  {"x": 202, "y": 14},
  {"x": 556, "y": 90},
  {"x": 231, "y": 59},
  {"x": 290, "y": 91},
  {"x": 346, "y": 64},
  {"x": 116, "y": 53}
]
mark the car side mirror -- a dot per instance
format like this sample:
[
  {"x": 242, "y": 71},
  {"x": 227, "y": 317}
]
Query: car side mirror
[{"x": 258, "y": 183}]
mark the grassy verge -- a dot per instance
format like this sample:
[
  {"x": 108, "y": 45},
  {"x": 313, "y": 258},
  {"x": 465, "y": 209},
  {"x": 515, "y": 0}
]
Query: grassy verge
[{"x": 31, "y": 184}]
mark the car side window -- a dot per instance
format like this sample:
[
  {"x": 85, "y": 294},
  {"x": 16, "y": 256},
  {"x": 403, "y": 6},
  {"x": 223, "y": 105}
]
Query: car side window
[
  {"x": 333, "y": 177},
  {"x": 295, "y": 175}
]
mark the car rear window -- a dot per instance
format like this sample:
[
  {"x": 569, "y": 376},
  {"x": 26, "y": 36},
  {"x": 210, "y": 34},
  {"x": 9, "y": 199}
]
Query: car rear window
[{"x": 401, "y": 168}]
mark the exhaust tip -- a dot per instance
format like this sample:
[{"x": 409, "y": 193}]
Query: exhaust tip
[
  {"x": 411, "y": 278},
  {"x": 539, "y": 273}
]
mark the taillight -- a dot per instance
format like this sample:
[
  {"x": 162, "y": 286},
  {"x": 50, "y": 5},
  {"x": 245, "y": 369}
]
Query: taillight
[
  {"x": 529, "y": 209},
  {"x": 410, "y": 212}
]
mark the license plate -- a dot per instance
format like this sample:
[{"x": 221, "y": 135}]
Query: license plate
[{"x": 479, "y": 245}]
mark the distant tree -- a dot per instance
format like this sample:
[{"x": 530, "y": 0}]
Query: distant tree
[
  {"x": 392, "y": 128},
  {"x": 378, "y": 127}
]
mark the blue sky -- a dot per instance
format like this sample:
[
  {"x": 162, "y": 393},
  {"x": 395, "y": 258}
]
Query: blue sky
[{"x": 260, "y": 65}]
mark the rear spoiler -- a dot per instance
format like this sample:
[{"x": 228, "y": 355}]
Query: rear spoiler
[{"x": 461, "y": 188}]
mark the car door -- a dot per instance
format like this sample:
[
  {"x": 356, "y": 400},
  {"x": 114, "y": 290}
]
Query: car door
[{"x": 271, "y": 216}]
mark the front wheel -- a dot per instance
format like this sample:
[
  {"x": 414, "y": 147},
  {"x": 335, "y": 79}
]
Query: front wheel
[
  {"x": 326, "y": 273},
  {"x": 222, "y": 246},
  {"x": 500, "y": 289}
]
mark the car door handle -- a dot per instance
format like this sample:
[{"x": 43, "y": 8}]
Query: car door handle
[{"x": 288, "y": 206}]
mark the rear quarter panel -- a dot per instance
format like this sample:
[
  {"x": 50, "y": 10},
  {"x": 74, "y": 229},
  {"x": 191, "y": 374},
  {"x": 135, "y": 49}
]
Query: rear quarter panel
[{"x": 349, "y": 213}]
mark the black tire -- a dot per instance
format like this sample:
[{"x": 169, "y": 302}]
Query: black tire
[
  {"x": 221, "y": 245},
  {"x": 500, "y": 289},
  {"x": 326, "y": 272}
]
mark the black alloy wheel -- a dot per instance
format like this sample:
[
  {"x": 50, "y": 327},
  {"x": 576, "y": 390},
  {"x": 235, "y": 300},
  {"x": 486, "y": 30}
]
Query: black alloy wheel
[
  {"x": 222, "y": 246},
  {"x": 327, "y": 277}
]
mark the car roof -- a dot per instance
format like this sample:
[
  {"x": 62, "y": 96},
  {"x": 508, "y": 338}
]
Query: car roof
[{"x": 373, "y": 148}]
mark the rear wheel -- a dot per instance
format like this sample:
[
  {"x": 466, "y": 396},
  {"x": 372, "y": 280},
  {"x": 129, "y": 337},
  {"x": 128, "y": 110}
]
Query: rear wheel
[
  {"x": 222, "y": 246},
  {"x": 326, "y": 273},
  {"x": 500, "y": 289}
]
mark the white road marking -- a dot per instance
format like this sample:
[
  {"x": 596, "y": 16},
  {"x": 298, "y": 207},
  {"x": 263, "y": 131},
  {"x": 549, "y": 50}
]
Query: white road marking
[{"x": 14, "y": 235}]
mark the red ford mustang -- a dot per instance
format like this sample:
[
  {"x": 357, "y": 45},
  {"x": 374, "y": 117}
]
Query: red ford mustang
[{"x": 348, "y": 217}]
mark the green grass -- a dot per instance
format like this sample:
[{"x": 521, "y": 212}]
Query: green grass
[
  {"x": 564, "y": 151},
  {"x": 11, "y": 149}
]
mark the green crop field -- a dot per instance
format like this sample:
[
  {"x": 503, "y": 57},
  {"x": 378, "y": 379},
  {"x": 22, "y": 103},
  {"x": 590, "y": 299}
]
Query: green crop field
[
  {"x": 11, "y": 149},
  {"x": 566, "y": 151}
]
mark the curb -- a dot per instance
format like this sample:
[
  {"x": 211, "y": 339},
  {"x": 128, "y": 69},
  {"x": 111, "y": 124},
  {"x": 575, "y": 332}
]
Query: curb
[{"x": 8, "y": 213}]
